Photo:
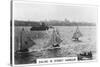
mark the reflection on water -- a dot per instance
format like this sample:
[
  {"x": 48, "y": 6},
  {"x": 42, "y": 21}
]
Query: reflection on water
[
  {"x": 51, "y": 53},
  {"x": 26, "y": 58}
]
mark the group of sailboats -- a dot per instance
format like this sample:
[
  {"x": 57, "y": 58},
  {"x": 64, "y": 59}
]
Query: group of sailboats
[{"x": 54, "y": 41}]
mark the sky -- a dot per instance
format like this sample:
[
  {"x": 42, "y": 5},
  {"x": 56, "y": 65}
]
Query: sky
[{"x": 31, "y": 11}]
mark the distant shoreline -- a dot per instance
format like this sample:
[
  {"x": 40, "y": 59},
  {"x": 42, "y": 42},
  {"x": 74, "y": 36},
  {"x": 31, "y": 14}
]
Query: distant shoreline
[{"x": 53, "y": 23}]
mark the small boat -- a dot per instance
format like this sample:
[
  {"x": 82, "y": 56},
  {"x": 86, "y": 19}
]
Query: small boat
[
  {"x": 77, "y": 34},
  {"x": 85, "y": 56}
]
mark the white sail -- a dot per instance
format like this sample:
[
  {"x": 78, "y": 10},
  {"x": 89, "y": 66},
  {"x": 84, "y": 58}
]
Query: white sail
[
  {"x": 77, "y": 33},
  {"x": 55, "y": 38},
  {"x": 25, "y": 40}
]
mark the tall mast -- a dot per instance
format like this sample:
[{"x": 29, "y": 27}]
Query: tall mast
[
  {"x": 77, "y": 29},
  {"x": 20, "y": 44}
]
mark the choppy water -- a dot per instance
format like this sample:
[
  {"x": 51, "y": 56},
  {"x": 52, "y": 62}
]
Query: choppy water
[{"x": 71, "y": 48}]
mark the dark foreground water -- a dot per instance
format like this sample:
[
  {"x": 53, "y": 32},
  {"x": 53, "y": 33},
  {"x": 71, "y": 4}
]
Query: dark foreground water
[
  {"x": 26, "y": 58},
  {"x": 29, "y": 58}
]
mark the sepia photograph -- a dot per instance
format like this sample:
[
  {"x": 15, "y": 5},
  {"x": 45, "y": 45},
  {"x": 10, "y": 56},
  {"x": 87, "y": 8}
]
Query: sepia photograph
[{"x": 52, "y": 30}]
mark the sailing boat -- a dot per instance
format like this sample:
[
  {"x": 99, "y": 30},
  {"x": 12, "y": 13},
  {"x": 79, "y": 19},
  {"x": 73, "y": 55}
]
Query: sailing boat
[
  {"x": 24, "y": 43},
  {"x": 77, "y": 34},
  {"x": 55, "y": 39}
]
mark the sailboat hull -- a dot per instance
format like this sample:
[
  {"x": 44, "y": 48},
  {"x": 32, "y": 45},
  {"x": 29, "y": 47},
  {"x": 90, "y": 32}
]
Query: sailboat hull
[
  {"x": 22, "y": 51},
  {"x": 77, "y": 40},
  {"x": 54, "y": 48}
]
